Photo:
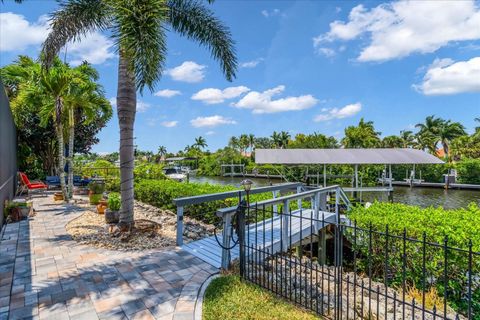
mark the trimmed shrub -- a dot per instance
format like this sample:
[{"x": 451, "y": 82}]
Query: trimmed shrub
[
  {"x": 469, "y": 171},
  {"x": 438, "y": 225}
]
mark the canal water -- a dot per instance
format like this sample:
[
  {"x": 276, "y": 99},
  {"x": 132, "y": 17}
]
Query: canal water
[{"x": 420, "y": 196}]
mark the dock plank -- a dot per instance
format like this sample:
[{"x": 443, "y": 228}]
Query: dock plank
[{"x": 265, "y": 236}]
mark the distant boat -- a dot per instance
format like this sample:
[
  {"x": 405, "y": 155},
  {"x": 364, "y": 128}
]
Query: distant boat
[{"x": 175, "y": 173}]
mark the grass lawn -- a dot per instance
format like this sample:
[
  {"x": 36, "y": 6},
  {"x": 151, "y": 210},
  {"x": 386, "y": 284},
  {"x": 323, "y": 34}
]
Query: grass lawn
[{"x": 229, "y": 298}]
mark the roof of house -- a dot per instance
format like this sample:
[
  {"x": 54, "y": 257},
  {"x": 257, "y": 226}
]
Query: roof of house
[{"x": 344, "y": 156}]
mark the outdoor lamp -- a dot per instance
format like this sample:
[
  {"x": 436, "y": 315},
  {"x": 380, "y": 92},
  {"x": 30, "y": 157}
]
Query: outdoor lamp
[{"x": 247, "y": 185}]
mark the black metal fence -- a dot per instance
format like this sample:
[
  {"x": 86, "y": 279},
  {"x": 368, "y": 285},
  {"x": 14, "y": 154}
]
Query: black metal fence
[
  {"x": 342, "y": 271},
  {"x": 8, "y": 152}
]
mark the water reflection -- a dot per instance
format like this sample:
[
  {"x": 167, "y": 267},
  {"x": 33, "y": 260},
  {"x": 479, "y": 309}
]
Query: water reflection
[{"x": 425, "y": 197}]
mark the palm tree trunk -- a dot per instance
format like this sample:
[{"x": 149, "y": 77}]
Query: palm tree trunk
[
  {"x": 126, "y": 107},
  {"x": 71, "y": 137},
  {"x": 61, "y": 162}
]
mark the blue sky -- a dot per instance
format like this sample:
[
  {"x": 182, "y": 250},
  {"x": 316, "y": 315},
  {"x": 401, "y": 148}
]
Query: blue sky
[{"x": 306, "y": 66}]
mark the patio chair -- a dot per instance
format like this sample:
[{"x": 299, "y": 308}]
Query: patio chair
[{"x": 27, "y": 185}]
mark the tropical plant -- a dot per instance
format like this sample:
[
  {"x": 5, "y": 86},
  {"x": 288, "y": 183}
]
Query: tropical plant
[
  {"x": 113, "y": 201},
  {"x": 361, "y": 136},
  {"x": 408, "y": 138},
  {"x": 200, "y": 142},
  {"x": 139, "y": 28},
  {"x": 392, "y": 141}
]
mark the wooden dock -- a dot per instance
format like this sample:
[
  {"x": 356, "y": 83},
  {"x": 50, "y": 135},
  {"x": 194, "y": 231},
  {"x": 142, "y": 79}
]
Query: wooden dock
[{"x": 264, "y": 235}]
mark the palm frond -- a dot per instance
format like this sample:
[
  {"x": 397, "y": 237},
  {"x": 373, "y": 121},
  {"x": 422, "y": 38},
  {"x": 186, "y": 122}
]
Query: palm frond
[
  {"x": 74, "y": 19},
  {"x": 140, "y": 34},
  {"x": 192, "y": 19}
]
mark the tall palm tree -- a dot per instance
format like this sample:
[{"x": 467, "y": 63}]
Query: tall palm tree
[
  {"x": 448, "y": 131},
  {"x": 361, "y": 136},
  {"x": 200, "y": 142},
  {"x": 161, "y": 152},
  {"x": 234, "y": 143},
  {"x": 408, "y": 138},
  {"x": 86, "y": 101},
  {"x": 251, "y": 142},
  {"x": 284, "y": 139},
  {"x": 277, "y": 140},
  {"x": 139, "y": 28},
  {"x": 244, "y": 142}
]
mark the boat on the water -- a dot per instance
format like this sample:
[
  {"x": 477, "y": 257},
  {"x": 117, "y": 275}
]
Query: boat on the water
[{"x": 175, "y": 173}]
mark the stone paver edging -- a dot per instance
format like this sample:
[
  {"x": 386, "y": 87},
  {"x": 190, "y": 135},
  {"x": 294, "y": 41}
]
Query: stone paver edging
[
  {"x": 44, "y": 274},
  {"x": 198, "y": 313}
]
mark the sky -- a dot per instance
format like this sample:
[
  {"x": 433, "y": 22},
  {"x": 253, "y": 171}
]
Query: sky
[{"x": 304, "y": 67}]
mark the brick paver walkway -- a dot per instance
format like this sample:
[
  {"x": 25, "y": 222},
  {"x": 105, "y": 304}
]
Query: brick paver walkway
[{"x": 46, "y": 275}]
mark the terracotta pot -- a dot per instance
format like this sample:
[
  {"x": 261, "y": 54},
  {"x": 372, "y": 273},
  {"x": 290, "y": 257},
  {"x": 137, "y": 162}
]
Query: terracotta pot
[
  {"x": 58, "y": 196},
  {"x": 101, "y": 208},
  {"x": 112, "y": 217}
]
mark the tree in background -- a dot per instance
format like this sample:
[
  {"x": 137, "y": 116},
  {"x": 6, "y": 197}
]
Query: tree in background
[
  {"x": 361, "y": 136},
  {"x": 140, "y": 34},
  {"x": 161, "y": 152},
  {"x": 392, "y": 141},
  {"x": 200, "y": 143},
  {"x": 408, "y": 138},
  {"x": 312, "y": 141}
]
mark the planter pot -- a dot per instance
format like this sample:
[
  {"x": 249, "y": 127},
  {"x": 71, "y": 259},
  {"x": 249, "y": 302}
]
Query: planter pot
[
  {"x": 101, "y": 208},
  {"x": 95, "y": 198},
  {"x": 112, "y": 217},
  {"x": 58, "y": 196}
]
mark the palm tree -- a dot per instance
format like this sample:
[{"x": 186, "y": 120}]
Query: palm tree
[
  {"x": 139, "y": 29},
  {"x": 277, "y": 140},
  {"x": 408, "y": 138},
  {"x": 361, "y": 136},
  {"x": 200, "y": 142},
  {"x": 284, "y": 139},
  {"x": 392, "y": 142},
  {"x": 85, "y": 98},
  {"x": 234, "y": 143},
  {"x": 448, "y": 131},
  {"x": 244, "y": 142},
  {"x": 161, "y": 152},
  {"x": 426, "y": 140},
  {"x": 251, "y": 142}
]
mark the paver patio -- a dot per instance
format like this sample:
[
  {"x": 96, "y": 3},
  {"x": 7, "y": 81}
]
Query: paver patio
[{"x": 44, "y": 274}]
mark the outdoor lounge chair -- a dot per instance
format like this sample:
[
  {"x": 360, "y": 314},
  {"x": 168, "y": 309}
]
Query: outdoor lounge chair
[
  {"x": 27, "y": 185},
  {"x": 78, "y": 181}
]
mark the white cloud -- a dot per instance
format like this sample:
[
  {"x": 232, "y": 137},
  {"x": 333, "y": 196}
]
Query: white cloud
[
  {"x": 209, "y": 133},
  {"x": 143, "y": 106},
  {"x": 261, "y": 102},
  {"x": 17, "y": 33},
  {"x": 214, "y": 96},
  {"x": 401, "y": 28},
  {"x": 446, "y": 76},
  {"x": 251, "y": 64},
  {"x": 327, "y": 52},
  {"x": 94, "y": 48},
  {"x": 167, "y": 93},
  {"x": 113, "y": 101},
  {"x": 270, "y": 13},
  {"x": 169, "y": 124},
  {"x": 189, "y": 71},
  {"x": 348, "y": 111},
  {"x": 211, "y": 121}
]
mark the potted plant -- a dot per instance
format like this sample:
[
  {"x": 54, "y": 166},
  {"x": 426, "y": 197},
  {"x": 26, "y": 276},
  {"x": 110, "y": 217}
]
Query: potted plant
[
  {"x": 102, "y": 206},
  {"x": 58, "y": 196},
  {"x": 112, "y": 214},
  {"x": 96, "y": 190}
]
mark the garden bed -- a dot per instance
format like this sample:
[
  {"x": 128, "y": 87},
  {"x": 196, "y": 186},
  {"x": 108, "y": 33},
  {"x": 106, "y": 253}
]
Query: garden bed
[{"x": 90, "y": 228}]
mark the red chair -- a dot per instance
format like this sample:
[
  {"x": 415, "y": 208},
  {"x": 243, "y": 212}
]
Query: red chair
[{"x": 27, "y": 185}]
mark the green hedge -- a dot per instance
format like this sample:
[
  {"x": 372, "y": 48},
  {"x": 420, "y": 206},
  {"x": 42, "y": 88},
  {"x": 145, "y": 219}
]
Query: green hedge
[
  {"x": 469, "y": 171},
  {"x": 459, "y": 226}
]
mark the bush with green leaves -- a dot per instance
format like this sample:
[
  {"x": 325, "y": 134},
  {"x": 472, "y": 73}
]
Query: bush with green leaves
[
  {"x": 468, "y": 171},
  {"x": 100, "y": 168},
  {"x": 96, "y": 187},
  {"x": 114, "y": 201},
  {"x": 456, "y": 228},
  {"x": 146, "y": 170}
]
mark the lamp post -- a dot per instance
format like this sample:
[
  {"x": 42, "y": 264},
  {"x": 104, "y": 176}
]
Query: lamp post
[{"x": 247, "y": 185}]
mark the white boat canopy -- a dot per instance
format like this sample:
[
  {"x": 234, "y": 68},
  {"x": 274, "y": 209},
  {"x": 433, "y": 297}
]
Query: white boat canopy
[{"x": 344, "y": 156}]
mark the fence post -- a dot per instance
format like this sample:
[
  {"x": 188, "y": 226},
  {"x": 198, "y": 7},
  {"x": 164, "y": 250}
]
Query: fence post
[
  {"x": 179, "y": 226},
  {"x": 322, "y": 233},
  {"x": 337, "y": 200},
  {"x": 275, "y": 207},
  {"x": 226, "y": 241},
  {"x": 299, "y": 201},
  {"x": 285, "y": 222}
]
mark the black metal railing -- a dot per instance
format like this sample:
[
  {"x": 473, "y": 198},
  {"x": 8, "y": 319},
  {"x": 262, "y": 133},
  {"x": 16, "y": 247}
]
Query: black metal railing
[{"x": 343, "y": 271}]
